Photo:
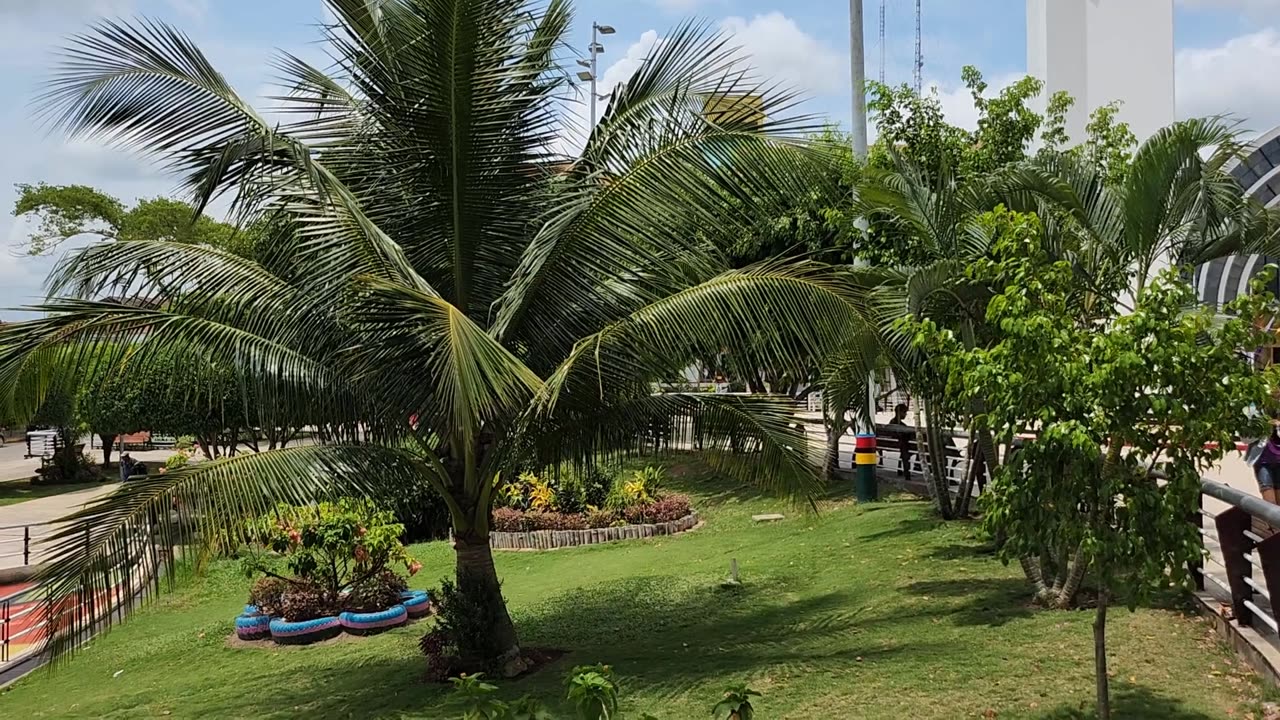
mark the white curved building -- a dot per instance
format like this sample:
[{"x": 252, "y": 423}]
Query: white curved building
[{"x": 1219, "y": 281}]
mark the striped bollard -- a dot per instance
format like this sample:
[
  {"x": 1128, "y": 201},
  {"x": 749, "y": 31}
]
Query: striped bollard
[{"x": 864, "y": 461}]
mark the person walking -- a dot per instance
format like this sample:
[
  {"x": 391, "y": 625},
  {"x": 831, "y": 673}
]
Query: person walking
[{"x": 1264, "y": 456}]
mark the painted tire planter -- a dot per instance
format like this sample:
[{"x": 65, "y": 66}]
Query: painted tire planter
[
  {"x": 369, "y": 623},
  {"x": 416, "y": 602},
  {"x": 307, "y": 631},
  {"x": 251, "y": 610},
  {"x": 253, "y": 627}
]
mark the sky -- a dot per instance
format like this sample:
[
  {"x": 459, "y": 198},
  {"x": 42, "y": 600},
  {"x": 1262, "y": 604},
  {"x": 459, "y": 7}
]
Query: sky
[{"x": 1226, "y": 52}]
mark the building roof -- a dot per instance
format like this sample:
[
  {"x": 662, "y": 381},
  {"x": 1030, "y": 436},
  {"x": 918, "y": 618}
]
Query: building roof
[{"x": 1220, "y": 281}]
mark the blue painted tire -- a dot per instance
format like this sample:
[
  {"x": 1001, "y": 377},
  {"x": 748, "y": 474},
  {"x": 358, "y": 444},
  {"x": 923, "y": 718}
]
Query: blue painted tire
[
  {"x": 251, "y": 610},
  {"x": 370, "y": 623},
  {"x": 416, "y": 602},
  {"x": 307, "y": 631},
  {"x": 253, "y": 627}
]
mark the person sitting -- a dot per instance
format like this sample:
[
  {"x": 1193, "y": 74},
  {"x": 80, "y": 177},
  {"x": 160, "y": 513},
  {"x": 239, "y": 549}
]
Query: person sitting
[{"x": 126, "y": 466}]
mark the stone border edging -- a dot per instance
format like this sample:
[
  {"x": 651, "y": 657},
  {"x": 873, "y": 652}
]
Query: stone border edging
[{"x": 552, "y": 539}]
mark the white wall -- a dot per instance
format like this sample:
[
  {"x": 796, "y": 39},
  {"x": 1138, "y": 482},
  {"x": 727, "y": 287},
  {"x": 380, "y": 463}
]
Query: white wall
[{"x": 1105, "y": 50}]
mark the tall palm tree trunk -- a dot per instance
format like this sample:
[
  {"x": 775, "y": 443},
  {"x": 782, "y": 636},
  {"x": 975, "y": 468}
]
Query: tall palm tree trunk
[{"x": 477, "y": 579}]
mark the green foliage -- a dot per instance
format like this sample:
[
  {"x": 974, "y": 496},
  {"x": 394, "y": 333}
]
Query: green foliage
[
  {"x": 463, "y": 615},
  {"x": 644, "y": 486},
  {"x": 593, "y": 691},
  {"x": 478, "y": 697},
  {"x": 1110, "y": 398},
  {"x": 65, "y": 211},
  {"x": 736, "y": 704},
  {"x": 335, "y": 544},
  {"x": 176, "y": 461},
  {"x": 62, "y": 212},
  {"x": 185, "y": 443}
]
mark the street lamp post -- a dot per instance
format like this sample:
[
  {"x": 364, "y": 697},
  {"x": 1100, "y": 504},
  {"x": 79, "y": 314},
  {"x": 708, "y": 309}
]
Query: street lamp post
[{"x": 592, "y": 74}]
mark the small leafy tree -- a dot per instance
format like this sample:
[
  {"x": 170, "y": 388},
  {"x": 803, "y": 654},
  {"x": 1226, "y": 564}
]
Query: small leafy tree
[
  {"x": 1122, "y": 411},
  {"x": 61, "y": 212},
  {"x": 736, "y": 704},
  {"x": 593, "y": 690},
  {"x": 336, "y": 545}
]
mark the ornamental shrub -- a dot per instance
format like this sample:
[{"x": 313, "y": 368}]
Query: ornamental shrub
[
  {"x": 304, "y": 600},
  {"x": 267, "y": 593},
  {"x": 335, "y": 545},
  {"x": 375, "y": 593}
]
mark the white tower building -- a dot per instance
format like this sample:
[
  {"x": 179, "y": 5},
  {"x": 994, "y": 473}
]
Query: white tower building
[{"x": 1100, "y": 51}]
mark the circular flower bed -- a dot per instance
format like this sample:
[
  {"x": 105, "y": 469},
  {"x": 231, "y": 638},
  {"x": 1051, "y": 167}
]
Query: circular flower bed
[{"x": 338, "y": 556}]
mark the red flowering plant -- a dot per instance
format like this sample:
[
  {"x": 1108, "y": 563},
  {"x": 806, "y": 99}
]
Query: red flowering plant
[{"x": 337, "y": 546}]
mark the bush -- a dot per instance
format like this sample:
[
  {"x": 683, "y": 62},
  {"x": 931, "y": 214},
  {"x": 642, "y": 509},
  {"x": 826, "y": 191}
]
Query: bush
[
  {"x": 332, "y": 544},
  {"x": 441, "y": 654},
  {"x": 465, "y": 619},
  {"x": 507, "y": 519},
  {"x": 596, "y": 483},
  {"x": 668, "y": 509},
  {"x": 542, "y": 497},
  {"x": 601, "y": 518},
  {"x": 185, "y": 442},
  {"x": 176, "y": 461},
  {"x": 570, "y": 495},
  {"x": 307, "y": 601},
  {"x": 267, "y": 593},
  {"x": 375, "y": 593}
]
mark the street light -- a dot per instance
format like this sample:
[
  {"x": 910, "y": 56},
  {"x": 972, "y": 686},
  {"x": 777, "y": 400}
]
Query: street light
[{"x": 591, "y": 74}]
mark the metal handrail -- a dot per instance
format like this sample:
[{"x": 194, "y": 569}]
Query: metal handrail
[{"x": 1255, "y": 506}]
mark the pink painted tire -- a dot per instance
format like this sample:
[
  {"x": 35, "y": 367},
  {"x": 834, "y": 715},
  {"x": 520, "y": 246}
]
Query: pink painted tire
[
  {"x": 305, "y": 632},
  {"x": 416, "y": 602},
  {"x": 370, "y": 623}
]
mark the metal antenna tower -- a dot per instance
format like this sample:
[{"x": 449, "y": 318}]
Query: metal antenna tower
[
  {"x": 919, "y": 53},
  {"x": 882, "y": 42}
]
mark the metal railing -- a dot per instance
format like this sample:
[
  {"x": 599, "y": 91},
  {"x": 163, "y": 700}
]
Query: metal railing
[
  {"x": 1243, "y": 545},
  {"x": 28, "y": 618}
]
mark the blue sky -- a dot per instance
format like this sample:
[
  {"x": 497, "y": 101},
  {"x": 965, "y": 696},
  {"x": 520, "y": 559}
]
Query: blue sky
[{"x": 1226, "y": 52}]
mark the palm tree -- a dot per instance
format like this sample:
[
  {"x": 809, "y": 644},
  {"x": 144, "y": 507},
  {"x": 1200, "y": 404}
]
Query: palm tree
[{"x": 439, "y": 261}]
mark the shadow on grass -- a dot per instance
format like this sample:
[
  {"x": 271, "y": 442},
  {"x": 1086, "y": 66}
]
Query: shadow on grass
[
  {"x": 1131, "y": 703},
  {"x": 962, "y": 551},
  {"x": 987, "y": 601},
  {"x": 912, "y": 526}
]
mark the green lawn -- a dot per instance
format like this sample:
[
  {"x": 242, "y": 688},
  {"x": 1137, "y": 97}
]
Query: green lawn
[
  {"x": 877, "y": 611},
  {"x": 13, "y": 492}
]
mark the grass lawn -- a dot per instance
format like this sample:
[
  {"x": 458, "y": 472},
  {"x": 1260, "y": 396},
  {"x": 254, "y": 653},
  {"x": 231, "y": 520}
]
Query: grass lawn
[
  {"x": 13, "y": 492},
  {"x": 876, "y": 611}
]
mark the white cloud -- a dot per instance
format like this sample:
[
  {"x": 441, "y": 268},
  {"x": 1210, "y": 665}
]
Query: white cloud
[
  {"x": 1234, "y": 78},
  {"x": 779, "y": 50},
  {"x": 1249, "y": 6}
]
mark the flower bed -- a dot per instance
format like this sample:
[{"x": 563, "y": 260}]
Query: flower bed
[
  {"x": 339, "y": 556},
  {"x": 551, "y": 539}
]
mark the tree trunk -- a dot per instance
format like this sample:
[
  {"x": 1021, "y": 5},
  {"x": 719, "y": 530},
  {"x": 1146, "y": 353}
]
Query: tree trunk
[
  {"x": 1075, "y": 576},
  {"x": 478, "y": 581},
  {"x": 1031, "y": 567},
  {"x": 108, "y": 442},
  {"x": 927, "y": 442},
  {"x": 835, "y": 431},
  {"x": 1100, "y": 657}
]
